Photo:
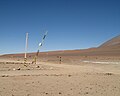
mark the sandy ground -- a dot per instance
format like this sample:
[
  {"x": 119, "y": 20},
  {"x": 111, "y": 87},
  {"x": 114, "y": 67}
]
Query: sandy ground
[
  {"x": 79, "y": 78},
  {"x": 88, "y": 72}
]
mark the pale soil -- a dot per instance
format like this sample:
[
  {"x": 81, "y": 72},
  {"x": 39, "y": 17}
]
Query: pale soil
[
  {"x": 89, "y": 72},
  {"x": 48, "y": 79}
]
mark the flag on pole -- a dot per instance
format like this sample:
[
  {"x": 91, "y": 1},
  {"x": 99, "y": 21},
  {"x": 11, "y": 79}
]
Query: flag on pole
[
  {"x": 44, "y": 36},
  {"x": 40, "y": 45}
]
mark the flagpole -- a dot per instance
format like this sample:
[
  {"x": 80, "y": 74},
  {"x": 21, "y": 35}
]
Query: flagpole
[
  {"x": 40, "y": 45},
  {"x": 26, "y": 47}
]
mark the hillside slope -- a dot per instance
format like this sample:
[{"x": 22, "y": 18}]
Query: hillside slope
[
  {"x": 109, "y": 48},
  {"x": 114, "y": 42}
]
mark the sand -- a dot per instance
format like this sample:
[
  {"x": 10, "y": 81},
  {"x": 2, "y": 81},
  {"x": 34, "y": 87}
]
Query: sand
[
  {"x": 54, "y": 79},
  {"x": 87, "y": 72}
]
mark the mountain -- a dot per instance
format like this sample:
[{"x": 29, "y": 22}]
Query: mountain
[
  {"x": 109, "y": 48},
  {"x": 112, "y": 43}
]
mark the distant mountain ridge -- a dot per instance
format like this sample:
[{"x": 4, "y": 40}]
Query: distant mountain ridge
[
  {"x": 109, "y": 48},
  {"x": 114, "y": 42}
]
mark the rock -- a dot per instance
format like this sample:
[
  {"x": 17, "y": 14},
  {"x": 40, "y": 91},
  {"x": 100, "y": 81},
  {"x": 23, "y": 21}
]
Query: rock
[
  {"x": 5, "y": 75},
  {"x": 60, "y": 93},
  {"x": 18, "y": 68},
  {"x": 14, "y": 69},
  {"x": 37, "y": 66},
  {"x": 86, "y": 93},
  {"x": 69, "y": 75},
  {"x": 108, "y": 73},
  {"x": 46, "y": 93},
  {"x": 25, "y": 65}
]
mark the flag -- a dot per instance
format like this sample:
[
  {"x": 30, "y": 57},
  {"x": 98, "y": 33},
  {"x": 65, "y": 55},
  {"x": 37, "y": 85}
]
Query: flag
[
  {"x": 44, "y": 37},
  {"x": 40, "y": 44}
]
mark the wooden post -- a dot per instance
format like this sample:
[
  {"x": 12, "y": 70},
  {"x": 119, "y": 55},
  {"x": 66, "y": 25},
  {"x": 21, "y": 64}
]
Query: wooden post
[{"x": 60, "y": 60}]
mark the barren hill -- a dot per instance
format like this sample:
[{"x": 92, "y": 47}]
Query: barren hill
[
  {"x": 114, "y": 42},
  {"x": 109, "y": 48}
]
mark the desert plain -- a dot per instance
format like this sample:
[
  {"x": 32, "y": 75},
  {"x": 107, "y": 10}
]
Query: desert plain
[
  {"x": 75, "y": 76},
  {"x": 89, "y": 72}
]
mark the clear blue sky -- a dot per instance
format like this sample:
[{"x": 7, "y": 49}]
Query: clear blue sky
[{"x": 71, "y": 24}]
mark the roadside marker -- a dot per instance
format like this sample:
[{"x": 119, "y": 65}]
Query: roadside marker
[{"x": 26, "y": 47}]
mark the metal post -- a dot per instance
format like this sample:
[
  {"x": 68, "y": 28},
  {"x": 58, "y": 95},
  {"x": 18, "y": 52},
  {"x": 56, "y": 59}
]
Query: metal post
[{"x": 26, "y": 47}]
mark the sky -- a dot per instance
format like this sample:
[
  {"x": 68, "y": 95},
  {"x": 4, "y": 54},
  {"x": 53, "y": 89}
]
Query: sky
[{"x": 71, "y": 24}]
